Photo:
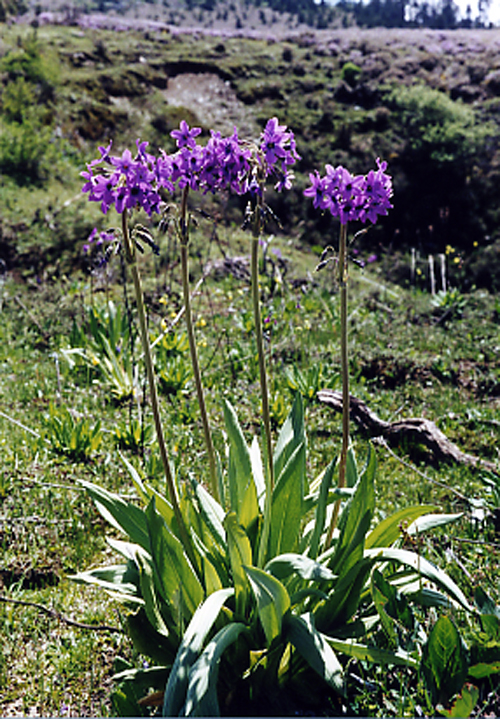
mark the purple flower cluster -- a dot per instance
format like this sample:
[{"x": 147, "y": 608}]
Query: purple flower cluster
[
  {"x": 224, "y": 163},
  {"x": 352, "y": 197},
  {"x": 98, "y": 239}
]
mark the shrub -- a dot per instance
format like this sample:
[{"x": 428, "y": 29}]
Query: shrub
[{"x": 437, "y": 128}]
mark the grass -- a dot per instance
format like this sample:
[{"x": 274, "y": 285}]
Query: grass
[
  {"x": 408, "y": 357},
  {"x": 404, "y": 363}
]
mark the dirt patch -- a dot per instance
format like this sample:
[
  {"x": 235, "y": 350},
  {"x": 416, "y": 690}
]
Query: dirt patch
[{"x": 212, "y": 100}]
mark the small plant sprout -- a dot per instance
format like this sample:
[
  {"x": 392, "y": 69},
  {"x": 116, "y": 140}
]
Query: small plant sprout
[{"x": 350, "y": 198}]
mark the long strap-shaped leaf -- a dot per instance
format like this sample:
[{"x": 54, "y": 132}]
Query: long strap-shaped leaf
[
  {"x": 313, "y": 646},
  {"x": 124, "y": 516},
  {"x": 272, "y": 599},
  {"x": 190, "y": 647},
  {"x": 201, "y": 698},
  {"x": 423, "y": 567},
  {"x": 242, "y": 488},
  {"x": 371, "y": 654}
]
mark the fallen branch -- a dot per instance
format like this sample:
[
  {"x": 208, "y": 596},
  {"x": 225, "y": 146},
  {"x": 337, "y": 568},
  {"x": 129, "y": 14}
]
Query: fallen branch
[
  {"x": 415, "y": 429},
  {"x": 57, "y": 615}
]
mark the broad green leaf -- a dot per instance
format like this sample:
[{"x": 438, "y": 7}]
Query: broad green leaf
[
  {"x": 464, "y": 704},
  {"x": 291, "y": 436},
  {"x": 258, "y": 473},
  {"x": 240, "y": 555},
  {"x": 424, "y": 568},
  {"x": 431, "y": 521},
  {"x": 148, "y": 641},
  {"x": 120, "y": 580},
  {"x": 484, "y": 603},
  {"x": 344, "y": 601},
  {"x": 122, "y": 515},
  {"x": 392, "y": 608},
  {"x": 201, "y": 697},
  {"x": 444, "y": 661},
  {"x": 351, "y": 470},
  {"x": 148, "y": 591},
  {"x": 287, "y": 508},
  {"x": 355, "y": 521},
  {"x": 163, "y": 506},
  {"x": 136, "y": 479},
  {"x": 192, "y": 642},
  {"x": 306, "y": 568},
  {"x": 314, "y": 647},
  {"x": 272, "y": 600},
  {"x": 319, "y": 523},
  {"x": 211, "y": 511},
  {"x": 371, "y": 654},
  {"x": 389, "y": 529},
  {"x": 177, "y": 582},
  {"x": 242, "y": 488},
  {"x": 483, "y": 670}
]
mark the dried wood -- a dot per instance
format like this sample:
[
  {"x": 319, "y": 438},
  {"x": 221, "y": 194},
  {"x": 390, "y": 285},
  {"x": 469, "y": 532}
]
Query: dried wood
[{"x": 416, "y": 430}]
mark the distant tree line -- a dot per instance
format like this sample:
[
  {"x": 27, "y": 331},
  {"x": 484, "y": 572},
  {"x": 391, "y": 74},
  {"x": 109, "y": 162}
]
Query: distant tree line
[{"x": 437, "y": 14}]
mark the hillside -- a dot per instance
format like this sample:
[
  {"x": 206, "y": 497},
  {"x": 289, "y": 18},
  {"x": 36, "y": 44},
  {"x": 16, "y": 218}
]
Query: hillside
[{"x": 426, "y": 101}]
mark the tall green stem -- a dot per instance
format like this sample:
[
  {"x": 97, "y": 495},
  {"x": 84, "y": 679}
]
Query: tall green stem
[
  {"x": 254, "y": 268},
  {"x": 131, "y": 259},
  {"x": 344, "y": 369},
  {"x": 192, "y": 345}
]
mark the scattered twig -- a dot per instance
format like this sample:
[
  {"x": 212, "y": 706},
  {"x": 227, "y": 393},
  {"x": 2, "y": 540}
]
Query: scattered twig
[
  {"x": 420, "y": 430},
  {"x": 32, "y": 317},
  {"x": 20, "y": 424},
  {"x": 409, "y": 465},
  {"x": 57, "y": 615}
]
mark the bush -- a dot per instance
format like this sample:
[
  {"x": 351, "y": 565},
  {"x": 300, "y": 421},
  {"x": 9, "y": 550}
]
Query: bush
[
  {"x": 437, "y": 128},
  {"x": 25, "y": 151}
]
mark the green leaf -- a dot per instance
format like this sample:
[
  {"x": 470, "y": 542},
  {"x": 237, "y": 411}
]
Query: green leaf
[
  {"x": 291, "y": 436},
  {"x": 272, "y": 601},
  {"x": 355, "y": 521},
  {"x": 343, "y": 602},
  {"x": 242, "y": 488},
  {"x": 211, "y": 512},
  {"x": 424, "y": 568},
  {"x": 258, "y": 473},
  {"x": 484, "y": 603},
  {"x": 431, "y": 521},
  {"x": 287, "y": 505},
  {"x": 136, "y": 479},
  {"x": 482, "y": 670},
  {"x": 321, "y": 506},
  {"x": 192, "y": 642},
  {"x": 351, "y": 470},
  {"x": 122, "y": 515},
  {"x": 240, "y": 555},
  {"x": 306, "y": 568},
  {"x": 444, "y": 661},
  {"x": 120, "y": 580},
  {"x": 149, "y": 594},
  {"x": 464, "y": 704},
  {"x": 315, "y": 648},
  {"x": 176, "y": 580},
  {"x": 371, "y": 654},
  {"x": 389, "y": 530},
  {"x": 201, "y": 698},
  {"x": 392, "y": 608}
]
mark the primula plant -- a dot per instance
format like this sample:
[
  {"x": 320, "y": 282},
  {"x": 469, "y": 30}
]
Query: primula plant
[{"x": 266, "y": 591}]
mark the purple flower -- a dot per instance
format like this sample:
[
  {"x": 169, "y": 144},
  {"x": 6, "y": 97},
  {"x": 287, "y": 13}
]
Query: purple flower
[
  {"x": 224, "y": 163},
  {"x": 185, "y": 136},
  {"x": 352, "y": 197}
]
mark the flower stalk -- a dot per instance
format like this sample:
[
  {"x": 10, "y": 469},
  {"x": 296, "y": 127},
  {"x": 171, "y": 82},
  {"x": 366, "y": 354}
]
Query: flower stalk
[
  {"x": 344, "y": 371},
  {"x": 184, "y": 242},
  {"x": 254, "y": 271},
  {"x": 131, "y": 260}
]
